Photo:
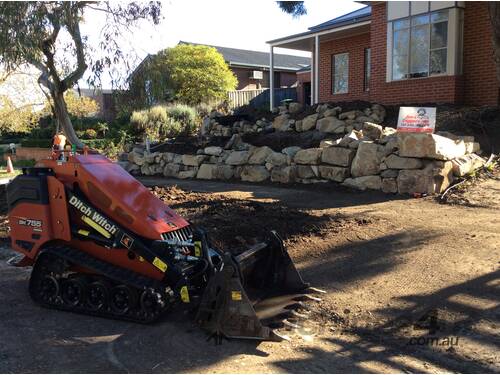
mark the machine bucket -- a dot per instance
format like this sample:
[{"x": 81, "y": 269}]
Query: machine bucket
[{"x": 254, "y": 293}]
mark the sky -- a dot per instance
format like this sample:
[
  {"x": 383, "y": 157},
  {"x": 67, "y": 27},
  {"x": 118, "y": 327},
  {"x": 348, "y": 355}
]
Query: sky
[{"x": 228, "y": 23}]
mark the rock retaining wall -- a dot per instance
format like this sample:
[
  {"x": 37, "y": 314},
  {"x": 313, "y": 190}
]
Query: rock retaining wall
[{"x": 362, "y": 156}]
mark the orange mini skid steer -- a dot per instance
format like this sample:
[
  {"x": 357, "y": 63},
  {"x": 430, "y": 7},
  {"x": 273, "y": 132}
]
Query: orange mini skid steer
[{"x": 101, "y": 243}]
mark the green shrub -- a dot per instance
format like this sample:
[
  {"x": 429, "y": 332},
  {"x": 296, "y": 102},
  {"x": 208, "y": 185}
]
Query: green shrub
[
  {"x": 165, "y": 121},
  {"x": 90, "y": 134}
]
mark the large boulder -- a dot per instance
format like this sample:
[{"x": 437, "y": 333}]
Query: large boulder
[
  {"x": 259, "y": 155},
  {"x": 430, "y": 146},
  {"x": 255, "y": 173},
  {"x": 330, "y": 125},
  {"x": 136, "y": 158},
  {"x": 213, "y": 150},
  {"x": 224, "y": 172},
  {"x": 308, "y": 156},
  {"x": 309, "y": 122},
  {"x": 190, "y": 173},
  {"x": 291, "y": 151},
  {"x": 389, "y": 185},
  {"x": 294, "y": 107},
  {"x": 338, "y": 174},
  {"x": 338, "y": 156},
  {"x": 207, "y": 172},
  {"x": 397, "y": 162},
  {"x": 434, "y": 178},
  {"x": 277, "y": 159},
  {"x": 192, "y": 160},
  {"x": 171, "y": 170},
  {"x": 284, "y": 175},
  {"x": 364, "y": 182},
  {"x": 238, "y": 158},
  {"x": 282, "y": 123},
  {"x": 350, "y": 115},
  {"x": 305, "y": 171},
  {"x": 467, "y": 164},
  {"x": 367, "y": 160},
  {"x": 372, "y": 131}
]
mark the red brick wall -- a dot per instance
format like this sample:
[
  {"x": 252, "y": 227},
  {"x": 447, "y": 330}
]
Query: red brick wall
[
  {"x": 287, "y": 79},
  {"x": 29, "y": 153},
  {"x": 355, "y": 46},
  {"x": 477, "y": 86},
  {"x": 481, "y": 85}
]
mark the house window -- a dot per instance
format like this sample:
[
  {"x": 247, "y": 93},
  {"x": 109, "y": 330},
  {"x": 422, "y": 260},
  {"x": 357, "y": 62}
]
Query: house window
[
  {"x": 340, "y": 74},
  {"x": 368, "y": 56},
  {"x": 420, "y": 45}
]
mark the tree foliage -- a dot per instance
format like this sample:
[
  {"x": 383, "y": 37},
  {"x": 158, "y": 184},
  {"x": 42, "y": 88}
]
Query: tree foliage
[
  {"x": 295, "y": 8},
  {"x": 190, "y": 74},
  {"x": 47, "y": 35}
]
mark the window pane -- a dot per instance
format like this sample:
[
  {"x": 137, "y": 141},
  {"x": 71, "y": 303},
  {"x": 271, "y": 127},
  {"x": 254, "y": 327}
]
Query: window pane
[
  {"x": 399, "y": 66},
  {"x": 419, "y": 51},
  {"x": 439, "y": 35},
  {"x": 401, "y": 41},
  {"x": 438, "y": 61},
  {"x": 401, "y": 24},
  {"x": 341, "y": 73},
  {"x": 439, "y": 16},
  {"x": 420, "y": 20}
]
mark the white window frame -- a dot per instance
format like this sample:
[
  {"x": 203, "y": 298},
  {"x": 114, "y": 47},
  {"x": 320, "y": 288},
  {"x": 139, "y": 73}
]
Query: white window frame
[{"x": 334, "y": 71}]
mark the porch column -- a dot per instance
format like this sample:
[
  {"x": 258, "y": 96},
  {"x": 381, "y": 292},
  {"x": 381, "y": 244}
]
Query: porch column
[
  {"x": 313, "y": 68},
  {"x": 316, "y": 69},
  {"x": 271, "y": 78}
]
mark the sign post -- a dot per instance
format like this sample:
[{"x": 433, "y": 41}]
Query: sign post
[{"x": 417, "y": 119}]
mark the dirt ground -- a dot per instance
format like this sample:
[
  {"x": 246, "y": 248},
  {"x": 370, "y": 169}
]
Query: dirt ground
[{"x": 412, "y": 286}]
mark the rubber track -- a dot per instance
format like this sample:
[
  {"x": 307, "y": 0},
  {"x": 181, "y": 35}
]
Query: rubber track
[{"x": 117, "y": 274}]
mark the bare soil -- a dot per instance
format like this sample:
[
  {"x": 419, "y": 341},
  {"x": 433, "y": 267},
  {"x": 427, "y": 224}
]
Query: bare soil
[{"x": 403, "y": 278}]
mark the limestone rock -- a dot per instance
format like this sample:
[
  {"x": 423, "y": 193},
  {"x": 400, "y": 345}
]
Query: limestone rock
[
  {"x": 192, "y": 160},
  {"x": 434, "y": 178},
  {"x": 431, "y": 146},
  {"x": 224, "y": 172},
  {"x": 213, "y": 150},
  {"x": 351, "y": 115},
  {"x": 277, "y": 159},
  {"x": 467, "y": 164},
  {"x": 207, "y": 172},
  {"x": 284, "y": 175},
  {"x": 330, "y": 125},
  {"x": 238, "y": 158},
  {"x": 337, "y": 156},
  {"x": 372, "y": 131},
  {"x": 352, "y": 136},
  {"x": 191, "y": 173},
  {"x": 338, "y": 174},
  {"x": 389, "y": 173},
  {"x": 305, "y": 171},
  {"x": 136, "y": 158},
  {"x": 367, "y": 160},
  {"x": 364, "y": 182},
  {"x": 291, "y": 151},
  {"x": 254, "y": 173},
  {"x": 329, "y": 143},
  {"x": 171, "y": 170},
  {"x": 259, "y": 155},
  {"x": 332, "y": 112},
  {"x": 397, "y": 162},
  {"x": 389, "y": 185},
  {"x": 309, "y": 122},
  {"x": 282, "y": 123},
  {"x": 308, "y": 156},
  {"x": 294, "y": 107}
]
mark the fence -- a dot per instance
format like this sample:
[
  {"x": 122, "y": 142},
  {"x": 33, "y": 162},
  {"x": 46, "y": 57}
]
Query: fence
[{"x": 260, "y": 98}]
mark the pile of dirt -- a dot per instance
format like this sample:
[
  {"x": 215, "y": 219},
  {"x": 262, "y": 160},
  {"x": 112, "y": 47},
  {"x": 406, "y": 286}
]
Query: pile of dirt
[
  {"x": 235, "y": 224},
  {"x": 279, "y": 140}
]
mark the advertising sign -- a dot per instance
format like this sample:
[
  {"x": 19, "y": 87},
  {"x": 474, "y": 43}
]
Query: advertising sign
[{"x": 417, "y": 119}]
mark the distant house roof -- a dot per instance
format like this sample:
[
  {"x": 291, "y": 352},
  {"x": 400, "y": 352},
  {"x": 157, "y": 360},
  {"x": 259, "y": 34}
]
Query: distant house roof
[
  {"x": 359, "y": 15},
  {"x": 242, "y": 57},
  {"x": 304, "y": 69}
]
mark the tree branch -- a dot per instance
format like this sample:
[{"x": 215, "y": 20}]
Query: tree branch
[{"x": 72, "y": 78}]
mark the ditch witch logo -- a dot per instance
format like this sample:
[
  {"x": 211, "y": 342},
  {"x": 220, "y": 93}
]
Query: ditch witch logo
[
  {"x": 92, "y": 214},
  {"x": 429, "y": 322}
]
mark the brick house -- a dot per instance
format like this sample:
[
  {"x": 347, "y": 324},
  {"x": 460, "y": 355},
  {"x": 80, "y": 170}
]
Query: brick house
[
  {"x": 400, "y": 52},
  {"x": 251, "y": 68}
]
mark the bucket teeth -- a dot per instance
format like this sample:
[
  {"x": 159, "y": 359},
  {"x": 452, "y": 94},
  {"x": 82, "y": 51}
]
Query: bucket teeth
[
  {"x": 312, "y": 289},
  {"x": 278, "y": 336},
  {"x": 298, "y": 305},
  {"x": 307, "y": 297},
  {"x": 287, "y": 323},
  {"x": 296, "y": 314}
]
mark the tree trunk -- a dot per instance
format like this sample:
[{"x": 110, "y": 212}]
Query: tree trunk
[
  {"x": 64, "y": 120},
  {"x": 495, "y": 25}
]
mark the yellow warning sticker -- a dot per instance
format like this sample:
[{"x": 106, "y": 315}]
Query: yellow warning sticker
[
  {"x": 161, "y": 265},
  {"x": 185, "y": 294},
  {"x": 197, "y": 248},
  {"x": 236, "y": 295},
  {"x": 83, "y": 232},
  {"x": 96, "y": 226}
]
